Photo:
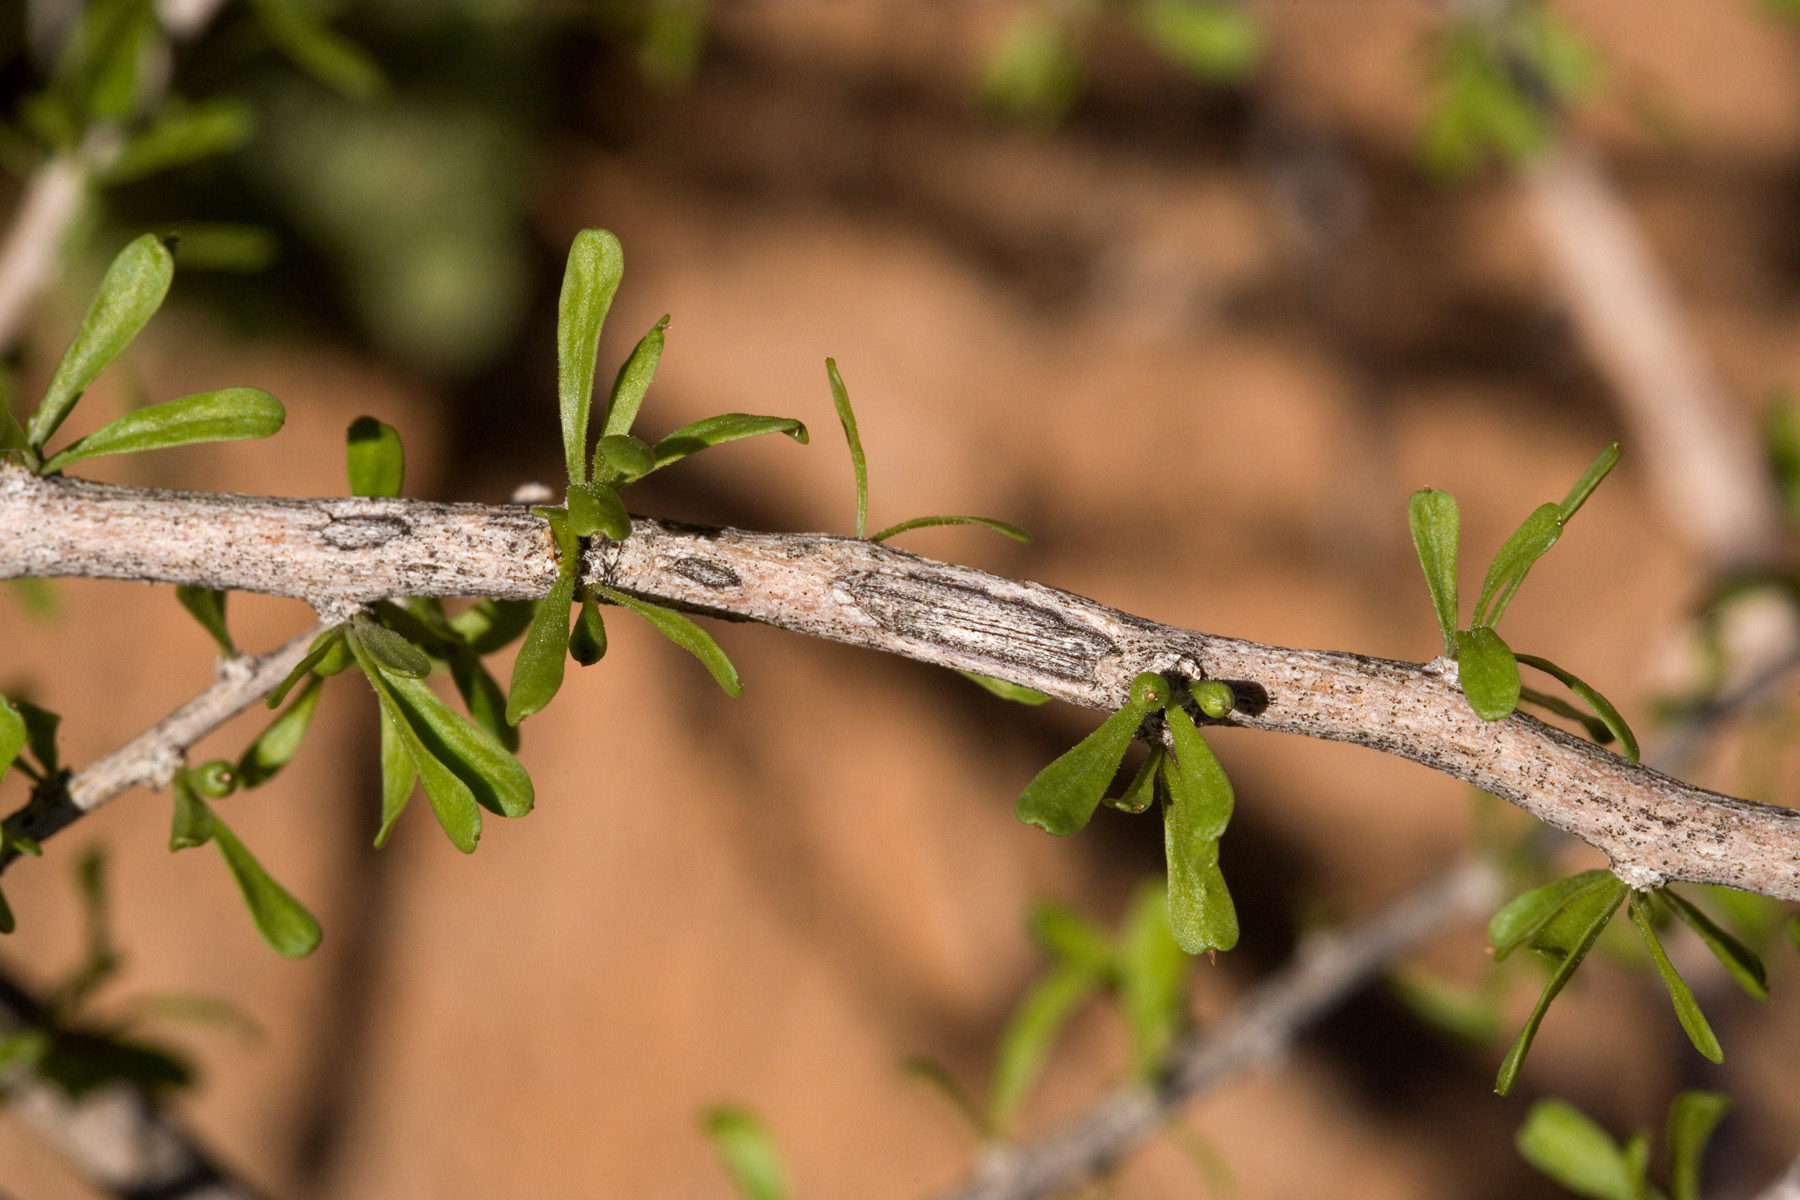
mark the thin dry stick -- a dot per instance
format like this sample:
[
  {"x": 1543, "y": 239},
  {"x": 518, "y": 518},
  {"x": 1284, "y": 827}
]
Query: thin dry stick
[
  {"x": 339, "y": 554},
  {"x": 1260, "y": 1031},
  {"x": 118, "y": 1137}
]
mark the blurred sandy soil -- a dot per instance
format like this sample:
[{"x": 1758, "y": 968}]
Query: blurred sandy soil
[{"x": 1204, "y": 354}]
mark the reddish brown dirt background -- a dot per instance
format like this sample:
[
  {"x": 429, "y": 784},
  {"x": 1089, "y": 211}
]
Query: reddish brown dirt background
[{"x": 1204, "y": 350}]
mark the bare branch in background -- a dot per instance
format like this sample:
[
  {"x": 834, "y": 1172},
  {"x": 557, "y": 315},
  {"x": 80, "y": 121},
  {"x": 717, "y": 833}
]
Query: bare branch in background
[
  {"x": 1785, "y": 1188},
  {"x": 1261, "y": 1031}
]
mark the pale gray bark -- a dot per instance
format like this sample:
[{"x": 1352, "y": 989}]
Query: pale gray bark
[
  {"x": 1258, "y": 1033},
  {"x": 338, "y": 554}
]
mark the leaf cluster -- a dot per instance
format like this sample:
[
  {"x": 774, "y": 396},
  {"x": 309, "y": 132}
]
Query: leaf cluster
[{"x": 1564, "y": 1143}]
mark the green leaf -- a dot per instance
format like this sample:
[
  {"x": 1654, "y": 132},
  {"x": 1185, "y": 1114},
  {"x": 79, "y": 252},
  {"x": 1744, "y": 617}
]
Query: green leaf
[
  {"x": 283, "y": 922},
  {"x": 12, "y": 438},
  {"x": 1071, "y": 939},
  {"x": 587, "y": 641},
  {"x": 193, "y": 824},
  {"x": 276, "y": 746},
  {"x": 1465, "y": 1013},
  {"x": 1006, "y": 691},
  {"x": 590, "y": 280},
  {"x": 1197, "y": 783},
  {"x": 1489, "y": 673},
  {"x": 1034, "y": 72},
  {"x": 452, "y": 800},
  {"x": 620, "y": 458},
  {"x": 490, "y": 625},
  {"x": 1586, "y": 916},
  {"x": 715, "y": 431},
  {"x": 1739, "y": 959},
  {"x": 840, "y": 398},
  {"x": 747, "y": 1153},
  {"x": 325, "y": 647},
  {"x": 13, "y": 734},
  {"x": 1201, "y": 913},
  {"x": 376, "y": 459},
  {"x": 1591, "y": 478},
  {"x": 1140, "y": 793},
  {"x": 395, "y": 654},
  {"x": 1030, "y": 1034},
  {"x": 208, "y": 607},
  {"x": 482, "y": 695},
  {"x": 1687, "y": 1009},
  {"x": 1693, "y": 1116},
  {"x": 181, "y": 135},
  {"x": 934, "y": 1074},
  {"x": 1065, "y": 794},
  {"x": 1526, "y": 915},
  {"x": 224, "y": 246},
  {"x": 1530, "y": 542},
  {"x": 228, "y": 415},
  {"x": 1212, "y": 40},
  {"x": 1153, "y": 978},
  {"x": 999, "y": 527},
  {"x": 132, "y": 290},
  {"x": 684, "y": 633},
  {"x": 538, "y": 670},
  {"x": 398, "y": 774},
  {"x": 432, "y": 731},
  {"x": 330, "y": 58},
  {"x": 1559, "y": 1140},
  {"x": 596, "y": 508},
  {"x": 633, "y": 380},
  {"x": 1609, "y": 716},
  {"x": 1436, "y": 523},
  {"x": 1594, "y": 727}
]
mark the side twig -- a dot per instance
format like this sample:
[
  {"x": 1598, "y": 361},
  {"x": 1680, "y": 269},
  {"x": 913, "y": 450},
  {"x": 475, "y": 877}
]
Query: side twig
[
  {"x": 1261, "y": 1031},
  {"x": 339, "y": 554}
]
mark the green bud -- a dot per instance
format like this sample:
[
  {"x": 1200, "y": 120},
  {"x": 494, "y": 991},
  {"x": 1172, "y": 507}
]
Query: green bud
[{"x": 1214, "y": 697}]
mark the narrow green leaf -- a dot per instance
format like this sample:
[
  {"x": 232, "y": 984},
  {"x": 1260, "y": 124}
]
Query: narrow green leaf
[
  {"x": 538, "y": 670},
  {"x": 482, "y": 695},
  {"x": 397, "y": 655},
  {"x": 633, "y": 380},
  {"x": 590, "y": 280},
  {"x": 490, "y": 625},
  {"x": 1594, "y": 727},
  {"x": 1588, "y": 915},
  {"x": 840, "y": 398},
  {"x": 329, "y": 57},
  {"x": 1034, "y": 72},
  {"x": 193, "y": 824},
  {"x": 1693, "y": 1115},
  {"x": 1213, "y": 40},
  {"x": 132, "y": 290},
  {"x": 13, "y": 734},
  {"x": 326, "y": 646},
  {"x": 1687, "y": 1009},
  {"x": 1584, "y": 487},
  {"x": 1609, "y": 716},
  {"x": 228, "y": 415},
  {"x": 1006, "y": 691},
  {"x": 1140, "y": 793},
  {"x": 1072, "y": 940},
  {"x": 1489, "y": 673},
  {"x": 398, "y": 774},
  {"x": 1436, "y": 524},
  {"x": 999, "y": 527},
  {"x": 684, "y": 633},
  {"x": 180, "y": 135},
  {"x": 1525, "y": 916},
  {"x": 283, "y": 922},
  {"x": 1637, "y": 1164},
  {"x": 1198, "y": 787},
  {"x": 1530, "y": 542},
  {"x": 1153, "y": 979},
  {"x": 13, "y": 440},
  {"x": 494, "y": 777},
  {"x": 747, "y": 1153},
  {"x": 276, "y": 746},
  {"x": 1064, "y": 795},
  {"x": 1030, "y": 1034},
  {"x": 376, "y": 459},
  {"x": 1562, "y": 1142},
  {"x": 1201, "y": 913},
  {"x": 208, "y": 607},
  {"x": 452, "y": 800},
  {"x": 621, "y": 458},
  {"x": 1737, "y": 958},
  {"x": 596, "y": 508},
  {"x": 587, "y": 641},
  {"x": 715, "y": 431}
]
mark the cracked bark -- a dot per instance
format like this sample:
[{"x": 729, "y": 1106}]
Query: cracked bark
[{"x": 337, "y": 554}]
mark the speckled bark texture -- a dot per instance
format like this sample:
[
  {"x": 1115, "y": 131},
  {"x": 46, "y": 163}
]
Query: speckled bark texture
[{"x": 337, "y": 554}]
